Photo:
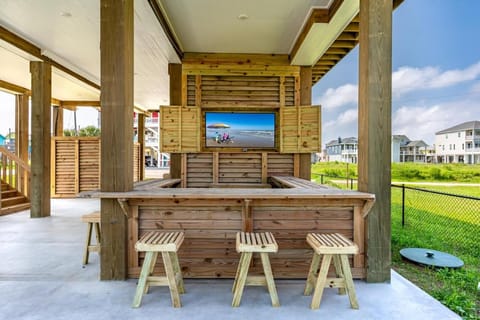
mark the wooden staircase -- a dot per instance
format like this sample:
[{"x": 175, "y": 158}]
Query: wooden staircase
[
  {"x": 14, "y": 183},
  {"x": 12, "y": 200}
]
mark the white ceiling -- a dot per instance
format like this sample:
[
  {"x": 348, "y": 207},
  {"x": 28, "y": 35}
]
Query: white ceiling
[
  {"x": 74, "y": 41},
  {"x": 67, "y": 31},
  {"x": 213, "y": 26}
]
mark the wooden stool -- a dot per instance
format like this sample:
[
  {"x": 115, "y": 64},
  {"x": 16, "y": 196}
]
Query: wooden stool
[
  {"x": 330, "y": 245},
  {"x": 247, "y": 243},
  {"x": 93, "y": 219},
  {"x": 168, "y": 244}
]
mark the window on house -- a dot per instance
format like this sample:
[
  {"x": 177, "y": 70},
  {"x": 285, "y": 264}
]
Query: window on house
[
  {"x": 453, "y": 147},
  {"x": 446, "y": 136},
  {"x": 459, "y": 134},
  {"x": 450, "y": 146},
  {"x": 463, "y": 146},
  {"x": 443, "y": 148}
]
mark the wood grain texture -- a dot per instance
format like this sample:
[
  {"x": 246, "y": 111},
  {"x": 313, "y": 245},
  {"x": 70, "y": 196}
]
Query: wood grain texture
[
  {"x": 375, "y": 130},
  {"x": 41, "y": 75},
  {"x": 210, "y": 226},
  {"x": 116, "y": 41}
]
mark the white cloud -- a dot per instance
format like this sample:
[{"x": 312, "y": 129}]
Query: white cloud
[
  {"x": 421, "y": 122},
  {"x": 407, "y": 79},
  {"x": 404, "y": 80},
  {"x": 340, "y": 96},
  {"x": 349, "y": 116}
]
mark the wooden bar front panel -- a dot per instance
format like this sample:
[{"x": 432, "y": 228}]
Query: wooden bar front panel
[{"x": 210, "y": 226}]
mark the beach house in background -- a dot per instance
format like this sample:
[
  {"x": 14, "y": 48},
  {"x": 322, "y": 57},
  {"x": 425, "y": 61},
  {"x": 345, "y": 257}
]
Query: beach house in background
[
  {"x": 403, "y": 150},
  {"x": 459, "y": 144},
  {"x": 343, "y": 150},
  {"x": 406, "y": 150}
]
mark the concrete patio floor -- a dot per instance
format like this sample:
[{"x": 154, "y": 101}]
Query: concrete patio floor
[{"x": 42, "y": 277}]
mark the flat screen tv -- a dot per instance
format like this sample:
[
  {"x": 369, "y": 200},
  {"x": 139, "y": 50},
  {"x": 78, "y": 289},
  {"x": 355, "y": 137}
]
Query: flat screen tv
[{"x": 246, "y": 130}]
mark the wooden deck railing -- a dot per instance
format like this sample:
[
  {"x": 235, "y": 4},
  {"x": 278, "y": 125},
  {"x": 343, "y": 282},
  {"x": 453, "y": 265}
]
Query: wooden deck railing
[{"x": 15, "y": 172}]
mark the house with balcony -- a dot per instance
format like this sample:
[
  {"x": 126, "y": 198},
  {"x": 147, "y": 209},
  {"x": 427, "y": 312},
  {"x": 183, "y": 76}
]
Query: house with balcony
[
  {"x": 343, "y": 150},
  {"x": 152, "y": 152},
  {"x": 459, "y": 144},
  {"x": 406, "y": 150}
]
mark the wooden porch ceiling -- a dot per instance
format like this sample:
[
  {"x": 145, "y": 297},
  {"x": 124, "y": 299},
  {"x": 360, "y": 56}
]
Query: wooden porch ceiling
[{"x": 317, "y": 33}]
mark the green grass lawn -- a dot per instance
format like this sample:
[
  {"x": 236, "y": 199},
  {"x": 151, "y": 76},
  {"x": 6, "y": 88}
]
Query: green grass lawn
[{"x": 439, "y": 222}]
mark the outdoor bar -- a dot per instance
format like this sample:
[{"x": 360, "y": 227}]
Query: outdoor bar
[
  {"x": 236, "y": 117},
  {"x": 211, "y": 217}
]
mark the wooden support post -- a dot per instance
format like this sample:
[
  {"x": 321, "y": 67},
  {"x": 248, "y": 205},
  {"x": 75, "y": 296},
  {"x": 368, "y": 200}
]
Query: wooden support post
[
  {"x": 21, "y": 139},
  {"x": 41, "y": 73},
  {"x": 141, "y": 141},
  {"x": 175, "y": 73},
  {"x": 21, "y": 126},
  {"x": 375, "y": 130},
  {"x": 116, "y": 41},
  {"x": 305, "y": 100},
  {"x": 57, "y": 121}
]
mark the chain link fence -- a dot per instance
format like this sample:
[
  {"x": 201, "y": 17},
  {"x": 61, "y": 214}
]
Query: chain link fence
[
  {"x": 426, "y": 218},
  {"x": 436, "y": 220}
]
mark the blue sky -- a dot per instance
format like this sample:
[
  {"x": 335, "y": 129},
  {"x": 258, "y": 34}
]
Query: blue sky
[
  {"x": 436, "y": 73},
  {"x": 243, "y": 121}
]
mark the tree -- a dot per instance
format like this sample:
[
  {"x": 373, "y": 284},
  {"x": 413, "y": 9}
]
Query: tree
[{"x": 89, "y": 131}]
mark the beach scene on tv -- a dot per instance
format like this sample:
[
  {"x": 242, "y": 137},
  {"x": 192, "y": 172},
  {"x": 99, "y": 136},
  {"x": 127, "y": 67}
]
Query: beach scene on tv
[{"x": 240, "y": 130}]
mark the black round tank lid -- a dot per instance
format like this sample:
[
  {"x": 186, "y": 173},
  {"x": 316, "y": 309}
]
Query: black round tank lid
[{"x": 431, "y": 257}]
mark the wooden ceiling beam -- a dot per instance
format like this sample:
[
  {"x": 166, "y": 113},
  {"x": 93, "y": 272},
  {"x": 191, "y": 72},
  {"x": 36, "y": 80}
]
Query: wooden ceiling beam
[
  {"x": 13, "y": 39},
  {"x": 30, "y": 48},
  {"x": 350, "y": 36},
  {"x": 316, "y": 16},
  {"x": 353, "y": 27},
  {"x": 166, "y": 27},
  {"x": 343, "y": 44},
  {"x": 80, "y": 103},
  {"x": 13, "y": 88}
]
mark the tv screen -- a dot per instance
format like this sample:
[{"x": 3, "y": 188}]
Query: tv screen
[{"x": 240, "y": 130}]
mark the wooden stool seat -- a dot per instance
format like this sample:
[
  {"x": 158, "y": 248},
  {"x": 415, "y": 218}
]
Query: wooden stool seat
[
  {"x": 168, "y": 244},
  {"x": 248, "y": 243},
  {"x": 92, "y": 220},
  {"x": 334, "y": 246}
]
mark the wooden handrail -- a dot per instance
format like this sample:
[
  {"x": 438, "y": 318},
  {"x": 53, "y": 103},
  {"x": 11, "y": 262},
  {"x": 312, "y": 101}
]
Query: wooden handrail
[
  {"x": 15, "y": 158},
  {"x": 15, "y": 172}
]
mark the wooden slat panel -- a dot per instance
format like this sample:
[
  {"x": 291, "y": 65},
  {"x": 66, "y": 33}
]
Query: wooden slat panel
[
  {"x": 210, "y": 229},
  {"x": 78, "y": 172},
  {"x": 180, "y": 129},
  {"x": 300, "y": 129},
  {"x": 235, "y": 90}
]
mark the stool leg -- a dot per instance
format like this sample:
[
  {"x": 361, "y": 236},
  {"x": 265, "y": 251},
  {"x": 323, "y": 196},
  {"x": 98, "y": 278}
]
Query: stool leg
[
  {"x": 312, "y": 274},
  {"x": 321, "y": 280},
  {"x": 172, "y": 283},
  {"x": 267, "y": 269},
  {"x": 151, "y": 267},
  {"x": 177, "y": 272},
  {"x": 237, "y": 274},
  {"x": 242, "y": 277},
  {"x": 87, "y": 243},
  {"x": 338, "y": 271},
  {"x": 142, "y": 280},
  {"x": 98, "y": 235},
  {"x": 349, "y": 281}
]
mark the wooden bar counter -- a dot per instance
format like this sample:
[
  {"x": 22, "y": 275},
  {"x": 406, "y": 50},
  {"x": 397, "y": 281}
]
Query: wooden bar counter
[{"x": 210, "y": 218}]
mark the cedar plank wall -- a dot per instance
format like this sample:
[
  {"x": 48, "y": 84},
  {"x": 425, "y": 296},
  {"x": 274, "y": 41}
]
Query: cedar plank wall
[
  {"x": 210, "y": 226},
  {"x": 239, "y": 82},
  {"x": 76, "y": 165}
]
